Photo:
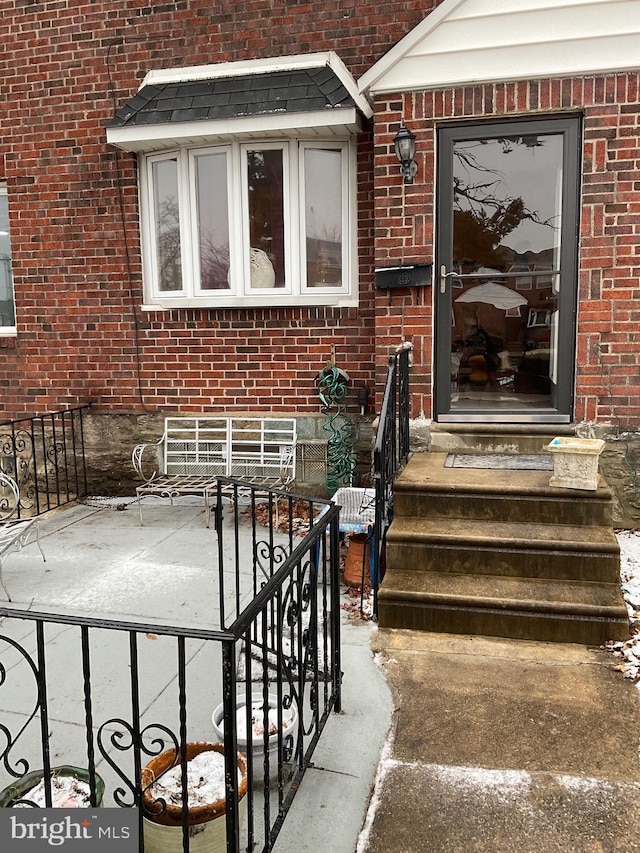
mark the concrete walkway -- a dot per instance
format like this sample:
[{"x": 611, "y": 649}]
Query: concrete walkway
[{"x": 505, "y": 746}]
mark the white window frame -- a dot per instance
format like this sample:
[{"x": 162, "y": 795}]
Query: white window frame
[
  {"x": 348, "y": 203},
  {"x": 9, "y": 331},
  {"x": 149, "y": 241},
  {"x": 240, "y": 294},
  {"x": 245, "y": 147},
  {"x": 192, "y": 196}
]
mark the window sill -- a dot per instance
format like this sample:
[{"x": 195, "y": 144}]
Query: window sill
[{"x": 270, "y": 300}]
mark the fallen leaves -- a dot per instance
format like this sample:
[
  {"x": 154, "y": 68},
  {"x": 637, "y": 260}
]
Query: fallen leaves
[
  {"x": 629, "y": 651},
  {"x": 285, "y": 516}
]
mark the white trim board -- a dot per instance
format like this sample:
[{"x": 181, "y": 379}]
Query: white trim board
[{"x": 471, "y": 41}]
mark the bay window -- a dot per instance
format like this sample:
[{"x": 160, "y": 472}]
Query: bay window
[{"x": 249, "y": 223}]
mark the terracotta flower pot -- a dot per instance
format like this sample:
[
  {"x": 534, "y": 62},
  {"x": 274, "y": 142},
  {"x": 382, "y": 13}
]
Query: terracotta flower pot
[
  {"x": 207, "y": 824},
  {"x": 357, "y": 561}
]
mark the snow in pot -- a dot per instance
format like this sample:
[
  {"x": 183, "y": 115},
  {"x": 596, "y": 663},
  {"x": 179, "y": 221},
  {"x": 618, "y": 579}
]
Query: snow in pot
[
  {"x": 162, "y": 783},
  {"x": 70, "y": 789},
  {"x": 257, "y": 722}
]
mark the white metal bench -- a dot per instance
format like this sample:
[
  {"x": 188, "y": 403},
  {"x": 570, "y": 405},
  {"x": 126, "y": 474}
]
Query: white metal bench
[
  {"x": 193, "y": 452},
  {"x": 15, "y": 533}
]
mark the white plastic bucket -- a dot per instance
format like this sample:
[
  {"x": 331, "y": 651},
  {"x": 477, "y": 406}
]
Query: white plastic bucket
[{"x": 290, "y": 730}]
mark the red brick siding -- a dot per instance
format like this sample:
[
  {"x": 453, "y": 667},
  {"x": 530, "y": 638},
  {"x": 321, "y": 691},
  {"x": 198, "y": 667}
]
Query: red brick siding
[
  {"x": 608, "y": 351},
  {"x": 65, "y": 68}
]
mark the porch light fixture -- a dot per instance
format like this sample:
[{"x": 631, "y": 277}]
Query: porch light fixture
[{"x": 404, "y": 143}]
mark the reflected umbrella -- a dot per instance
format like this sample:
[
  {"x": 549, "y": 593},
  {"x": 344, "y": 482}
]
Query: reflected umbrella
[{"x": 492, "y": 293}]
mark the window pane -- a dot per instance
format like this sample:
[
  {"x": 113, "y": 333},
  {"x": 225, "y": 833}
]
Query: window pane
[
  {"x": 7, "y": 310},
  {"x": 266, "y": 218},
  {"x": 167, "y": 224},
  {"x": 323, "y": 217},
  {"x": 213, "y": 221}
]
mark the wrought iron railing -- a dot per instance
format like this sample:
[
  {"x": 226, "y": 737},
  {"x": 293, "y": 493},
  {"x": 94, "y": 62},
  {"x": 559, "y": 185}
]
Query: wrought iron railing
[
  {"x": 45, "y": 454},
  {"x": 115, "y": 697},
  {"x": 391, "y": 451}
]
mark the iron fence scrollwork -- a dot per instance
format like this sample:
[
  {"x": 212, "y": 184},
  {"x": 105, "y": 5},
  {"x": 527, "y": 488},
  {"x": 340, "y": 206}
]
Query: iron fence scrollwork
[
  {"x": 134, "y": 691},
  {"x": 45, "y": 455}
]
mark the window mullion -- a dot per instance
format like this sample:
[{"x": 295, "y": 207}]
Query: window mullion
[
  {"x": 238, "y": 234},
  {"x": 188, "y": 223}
]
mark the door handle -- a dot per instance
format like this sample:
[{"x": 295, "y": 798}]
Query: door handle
[{"x": 444, "y": 275}]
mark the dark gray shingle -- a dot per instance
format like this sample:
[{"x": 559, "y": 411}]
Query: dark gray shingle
[{"x": 302, "y": 90}]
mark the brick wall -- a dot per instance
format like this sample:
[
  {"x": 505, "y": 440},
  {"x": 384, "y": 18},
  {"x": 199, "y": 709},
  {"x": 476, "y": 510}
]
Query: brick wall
[
  {"x": 608, "y": 352},
  {"x": 65, "y": 68}
]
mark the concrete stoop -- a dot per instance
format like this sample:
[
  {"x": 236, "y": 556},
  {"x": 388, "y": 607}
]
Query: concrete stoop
[{"x": 501, "y": 553}]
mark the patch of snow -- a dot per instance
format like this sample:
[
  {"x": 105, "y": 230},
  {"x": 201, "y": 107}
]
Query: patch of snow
[
  {"x": 509, "y": 782},
  {"x": 586, "y": 785},
  {"x": 67, "y": 792},
  {"x": 384, "y": 766},
  {"x": 257, "y": 722},
  {"x": 628, "y": 651},
  {"x": 205, "y": 781}
]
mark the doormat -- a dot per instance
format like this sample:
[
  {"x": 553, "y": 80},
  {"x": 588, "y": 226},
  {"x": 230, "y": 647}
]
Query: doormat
[{"x": 509, "y": 461}]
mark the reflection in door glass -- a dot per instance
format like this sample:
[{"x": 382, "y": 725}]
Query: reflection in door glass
[{"x": 506, "y": 252}]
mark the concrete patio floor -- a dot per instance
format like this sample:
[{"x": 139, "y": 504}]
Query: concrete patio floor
[
  {"x": 102, "y": 564},
  {"x": 485, "y": 744}
]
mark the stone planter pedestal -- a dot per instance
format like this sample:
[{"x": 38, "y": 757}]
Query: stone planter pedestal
[{"x": 575, "y": 462}]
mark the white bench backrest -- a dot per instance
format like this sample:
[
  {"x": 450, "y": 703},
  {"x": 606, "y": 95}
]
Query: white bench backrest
[
  {"x": 256, "y": 448},
  {"x": 195, "y": 446}
]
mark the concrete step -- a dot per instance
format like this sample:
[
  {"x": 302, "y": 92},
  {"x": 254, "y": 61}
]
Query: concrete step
[
  {"x": 521, "y": 608},
  {"x": 494, "y": 438},
  {"x": 560, "y": 551},
  {"x": 427, "y": 489}
]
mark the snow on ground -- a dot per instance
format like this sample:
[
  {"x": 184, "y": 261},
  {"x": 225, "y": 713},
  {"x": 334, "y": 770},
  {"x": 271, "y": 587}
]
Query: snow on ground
[{"x": 629, "y": 651}]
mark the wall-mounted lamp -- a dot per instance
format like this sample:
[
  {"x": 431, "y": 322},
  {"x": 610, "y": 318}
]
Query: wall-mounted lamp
[{"x": 404, "y": 143}]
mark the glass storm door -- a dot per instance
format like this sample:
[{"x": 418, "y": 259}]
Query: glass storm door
[{"x": 506, "y": 271}]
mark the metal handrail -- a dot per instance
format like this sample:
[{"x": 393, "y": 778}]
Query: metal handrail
[{"x": 390, "y": 454}]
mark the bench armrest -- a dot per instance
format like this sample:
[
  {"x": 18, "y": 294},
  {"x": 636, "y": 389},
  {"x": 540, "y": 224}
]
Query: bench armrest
[
  {"x": 288, "y": 462},
  {"x": 9, "y": 497},
  {"x": 144, "y": 460}
]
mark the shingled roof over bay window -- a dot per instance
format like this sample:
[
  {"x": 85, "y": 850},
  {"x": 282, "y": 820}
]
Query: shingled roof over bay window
[{"x": 305, "y": 95}]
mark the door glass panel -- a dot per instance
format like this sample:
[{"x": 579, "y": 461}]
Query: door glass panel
[{"x": 507, "y": 217}]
